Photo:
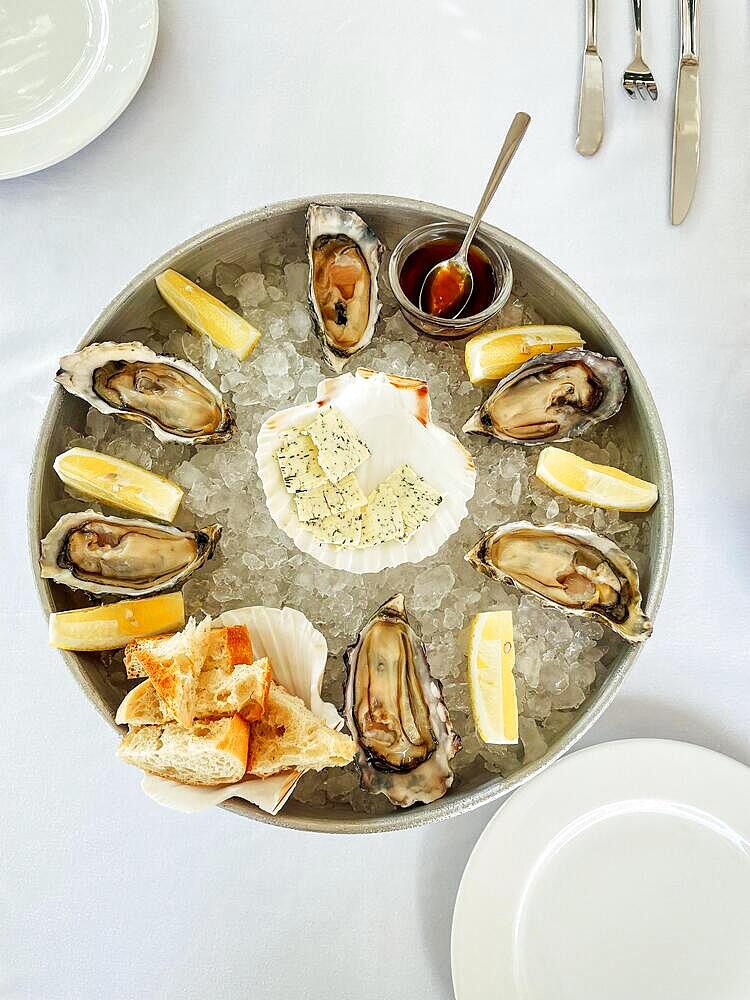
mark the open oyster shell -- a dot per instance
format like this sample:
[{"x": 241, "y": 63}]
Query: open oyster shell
[
  {"x": 166, "y": 394},
  {"x": 552, "y": 397},
  {"x": 116, "y": 555},
  {"x": 395, "y": 711},
  {"x": 344, "y": 256},
  {"x": 567, "y": 567}
]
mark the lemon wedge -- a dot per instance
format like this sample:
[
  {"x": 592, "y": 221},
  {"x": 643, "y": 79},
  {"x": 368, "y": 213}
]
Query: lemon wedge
[
  {"x": 118, "y": 483},
  {"x": 493, "y": 355},
  {"x": 206, "y": 314},
  {"x": 112, "y": 626},
  {"x": 492, "y": 688},
  {"x": 599, "y": 485}
]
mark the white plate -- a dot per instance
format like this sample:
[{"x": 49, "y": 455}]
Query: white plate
[
  {"x": 621, "y": 872},
  {"x": 68, "y": 69}
]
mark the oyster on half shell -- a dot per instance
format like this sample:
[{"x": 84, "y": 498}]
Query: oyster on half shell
[
  {"x": 344, "y": 256},
  {"x": 552, "y": 397},
  {"x": 568, "y": 567},
  {"x": 117, "y": 555},
  {"x": 395, "y": 711},
  {"x": 170, "y": 396}
]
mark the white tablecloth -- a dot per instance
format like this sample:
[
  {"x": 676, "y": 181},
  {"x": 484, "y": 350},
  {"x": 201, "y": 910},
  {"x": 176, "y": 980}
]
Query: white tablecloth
[{"x": 103, "y": 894}]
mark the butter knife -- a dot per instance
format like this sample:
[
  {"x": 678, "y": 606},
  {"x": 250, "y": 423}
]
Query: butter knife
[
  {"x": 687, "y": 115},
  {"x": 591, "y": 104}
]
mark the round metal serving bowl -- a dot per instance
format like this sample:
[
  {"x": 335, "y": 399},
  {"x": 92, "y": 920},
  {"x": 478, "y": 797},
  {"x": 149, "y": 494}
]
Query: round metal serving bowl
[{"x": 553, "y": 294}]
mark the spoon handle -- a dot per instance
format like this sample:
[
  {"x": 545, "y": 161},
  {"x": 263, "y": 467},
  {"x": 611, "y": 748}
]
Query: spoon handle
[{"x": 512, "y": 141}]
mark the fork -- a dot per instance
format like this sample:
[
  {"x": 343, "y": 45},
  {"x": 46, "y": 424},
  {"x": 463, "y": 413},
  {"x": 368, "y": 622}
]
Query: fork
[{"x": 638, "y": 78}]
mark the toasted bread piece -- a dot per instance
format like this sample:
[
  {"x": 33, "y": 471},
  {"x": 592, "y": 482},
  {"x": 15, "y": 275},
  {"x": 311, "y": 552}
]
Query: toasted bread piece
[
  {"x": 134, "y": 665},
  {"x": 173, "y": 666},
  {"x": 243, "y": 690},
  {"x": 226, "y": 647},
  {"x": 211, "y": 753},
  {"x": 290, "y": 736},
  {"x": 142, "y": 707}
]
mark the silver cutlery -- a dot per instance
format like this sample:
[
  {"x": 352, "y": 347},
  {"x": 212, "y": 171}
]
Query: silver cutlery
[
  {"x": 687, "y": 115},
  {"x": 638, "y": 80},
  {"x": 448, "y": 285},
  {"x": 591, "y": 104}
]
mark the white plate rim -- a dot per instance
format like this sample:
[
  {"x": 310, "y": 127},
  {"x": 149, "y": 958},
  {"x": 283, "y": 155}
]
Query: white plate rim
[
  {"x": 64, "y": 152},
  {"x": 583, "y": 760}
]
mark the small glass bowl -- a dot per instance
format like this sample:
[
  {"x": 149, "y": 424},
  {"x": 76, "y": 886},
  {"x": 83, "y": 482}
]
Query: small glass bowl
[{"x": 434, "y": 325}]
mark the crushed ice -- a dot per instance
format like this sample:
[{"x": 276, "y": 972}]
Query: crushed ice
[{"x": 558, "y": 659}]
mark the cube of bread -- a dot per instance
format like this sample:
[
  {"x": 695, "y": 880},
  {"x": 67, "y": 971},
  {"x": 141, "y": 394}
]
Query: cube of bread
[
  {"x": 242, "y": 690},
  {"x": 226, "y": 647},
  {"x": 210, "y": 753},
  {"x": 291, "y": 737},
  {"x": 173, "y": 665}
]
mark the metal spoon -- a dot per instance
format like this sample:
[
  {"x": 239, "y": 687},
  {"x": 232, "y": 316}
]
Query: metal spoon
[{"x": 448, "y": 285}]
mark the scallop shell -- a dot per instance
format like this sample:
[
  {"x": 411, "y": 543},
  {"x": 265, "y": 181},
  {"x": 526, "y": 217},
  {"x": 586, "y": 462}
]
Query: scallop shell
[
  {"x": 298, "y": 653},
  {"x": 393, "y": 415}
]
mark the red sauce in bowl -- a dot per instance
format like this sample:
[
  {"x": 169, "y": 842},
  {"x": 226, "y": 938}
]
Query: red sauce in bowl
[{"x": 418, "y": 263}]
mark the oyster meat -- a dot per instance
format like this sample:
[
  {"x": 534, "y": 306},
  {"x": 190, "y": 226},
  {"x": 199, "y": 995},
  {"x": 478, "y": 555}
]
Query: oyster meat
[
  {"x": 570, "y": 568},
  {"x": 552, "y": 397},
  {"x": 395, "y": 711},
  {"x": 117, "y": 555},
  {"x": 170, "y": 396},
  {"x": 344, "y": 256}
]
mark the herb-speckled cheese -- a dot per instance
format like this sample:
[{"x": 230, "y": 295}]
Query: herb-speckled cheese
[
  {"x": 340, "y": 449},
  {"x": 383, "y": 521},
  {"x": 416, "y": 498},
  {"x": 330, "y": 499},
  {"x": 298, "y": 463},
  {"x": 339, "y": 529},
  {"x": 317, "y": 463}
]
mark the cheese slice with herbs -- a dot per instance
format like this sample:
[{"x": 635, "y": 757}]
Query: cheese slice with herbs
[
  {"x": 382, "y": 518},
  {"x": 298, "y": 462},
  {"x": 340, "y": 449},
  {"x": 417, "y": 500},
  {"x": 333, "y": 498},
  {"x": 339, "y": 529},
  {"x": 311, "y": 506}
]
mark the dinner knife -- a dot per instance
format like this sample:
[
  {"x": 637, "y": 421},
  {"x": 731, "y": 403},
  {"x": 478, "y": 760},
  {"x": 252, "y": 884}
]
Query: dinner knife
[
  {"x": 591, "y": 104},
  {"x": 687, "y": 115}
]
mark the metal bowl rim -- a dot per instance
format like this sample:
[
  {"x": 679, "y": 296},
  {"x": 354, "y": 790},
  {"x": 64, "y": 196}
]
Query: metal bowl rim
[{"x": 496, "y": 787}]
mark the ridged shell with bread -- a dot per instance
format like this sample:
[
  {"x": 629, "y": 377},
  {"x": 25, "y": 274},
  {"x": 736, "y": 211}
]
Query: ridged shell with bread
[{"x": 298, "y": 653}]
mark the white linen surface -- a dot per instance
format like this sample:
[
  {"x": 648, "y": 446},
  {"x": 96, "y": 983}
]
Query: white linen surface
[{"x": 104, "y": 894}]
